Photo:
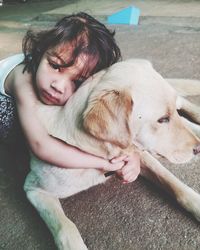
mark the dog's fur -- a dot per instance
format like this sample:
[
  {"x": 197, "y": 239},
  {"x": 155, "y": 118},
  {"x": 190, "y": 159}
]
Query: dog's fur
[{"x": 127, "y": 107}]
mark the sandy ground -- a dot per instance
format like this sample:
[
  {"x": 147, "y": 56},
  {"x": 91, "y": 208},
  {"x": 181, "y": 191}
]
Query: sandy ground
[
  {"x": 115, "y": 216},
  {"x": 148, "y": 8}
]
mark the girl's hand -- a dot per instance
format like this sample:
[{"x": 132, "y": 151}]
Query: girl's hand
[
  {"x": 115, "y": 164},
  {"x": 131, "y": 168}
]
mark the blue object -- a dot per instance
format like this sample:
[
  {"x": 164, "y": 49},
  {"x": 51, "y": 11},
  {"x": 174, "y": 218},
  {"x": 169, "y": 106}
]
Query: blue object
[{"x": 128, "y": 15}]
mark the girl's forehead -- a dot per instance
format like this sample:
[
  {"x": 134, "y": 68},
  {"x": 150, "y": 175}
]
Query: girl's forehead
[
  {"x": 63, "y": 48},
  {"x": 62, "y": 51},
  {"x": 65, "y": 54}
]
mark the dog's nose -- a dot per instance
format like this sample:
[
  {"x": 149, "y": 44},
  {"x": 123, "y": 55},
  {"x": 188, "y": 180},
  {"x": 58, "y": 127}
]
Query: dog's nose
[{"x": 196, "y": 150}]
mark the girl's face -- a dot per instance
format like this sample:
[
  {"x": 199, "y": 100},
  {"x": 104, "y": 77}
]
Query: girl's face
[{"x": 55, "y": 83}]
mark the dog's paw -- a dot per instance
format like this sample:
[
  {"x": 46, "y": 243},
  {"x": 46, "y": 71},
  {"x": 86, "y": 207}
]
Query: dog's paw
[
  {"x": 70, "y": 239},
  {"x": 190, "y": 200}
]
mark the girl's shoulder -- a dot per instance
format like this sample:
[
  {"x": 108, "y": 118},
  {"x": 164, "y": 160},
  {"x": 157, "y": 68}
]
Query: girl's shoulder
[
  {"x": 12, "y": 60},
  {"x": 6, "y": 66}
]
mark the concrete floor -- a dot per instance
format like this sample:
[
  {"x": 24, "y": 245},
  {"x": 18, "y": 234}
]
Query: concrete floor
[{"x": 115, "y": 216}]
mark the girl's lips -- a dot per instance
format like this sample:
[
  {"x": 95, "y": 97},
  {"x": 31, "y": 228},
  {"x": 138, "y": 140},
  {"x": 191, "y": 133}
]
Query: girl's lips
[{"x": 50, "y": 98}]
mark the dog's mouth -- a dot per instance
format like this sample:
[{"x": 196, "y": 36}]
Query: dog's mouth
[
  {"x": 153, "y": 153},
  {"x": 174, "y": 158},
  {"x": 157, "y": 155}
]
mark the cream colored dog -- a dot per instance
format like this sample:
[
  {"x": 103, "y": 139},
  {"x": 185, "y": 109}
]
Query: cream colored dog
[{"x": 127, "y": 107}]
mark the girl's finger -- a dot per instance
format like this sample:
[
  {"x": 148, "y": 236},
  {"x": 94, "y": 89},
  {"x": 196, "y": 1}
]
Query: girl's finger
[{"x": 120, "y": 158}]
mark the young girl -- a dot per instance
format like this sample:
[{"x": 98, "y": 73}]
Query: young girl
[{"x": 53, "y": 65}]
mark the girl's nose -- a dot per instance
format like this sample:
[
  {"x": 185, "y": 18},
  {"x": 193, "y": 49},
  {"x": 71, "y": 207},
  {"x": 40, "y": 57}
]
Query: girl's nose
[{"x": 58, "y": 86}]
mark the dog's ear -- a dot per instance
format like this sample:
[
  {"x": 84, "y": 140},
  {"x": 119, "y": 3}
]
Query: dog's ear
[{"x": 107, "y": 117}]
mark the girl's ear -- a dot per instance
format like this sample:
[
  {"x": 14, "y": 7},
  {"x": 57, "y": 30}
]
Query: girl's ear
[{"x": 107, "y": 117}]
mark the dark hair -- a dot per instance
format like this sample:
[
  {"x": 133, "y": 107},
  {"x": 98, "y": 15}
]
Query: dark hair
[{"x": 88, "y": 36}]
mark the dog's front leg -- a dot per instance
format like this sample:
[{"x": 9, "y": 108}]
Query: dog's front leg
[
  {"x": 65, "y": 233},
  {"x": 190, "y": 109},
  {"x": 153, "y": 170}
]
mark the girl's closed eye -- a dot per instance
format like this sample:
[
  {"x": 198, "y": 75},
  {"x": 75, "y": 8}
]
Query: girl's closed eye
[{"x": 55, "y": 66}]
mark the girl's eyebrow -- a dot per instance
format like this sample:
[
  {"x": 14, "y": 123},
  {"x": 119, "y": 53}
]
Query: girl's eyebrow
[
  {"x": 63, "y": 64},
  {"x": 54, "y": 54}
]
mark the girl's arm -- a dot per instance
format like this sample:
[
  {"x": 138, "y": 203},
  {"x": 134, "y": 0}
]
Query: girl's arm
[{"x": 44, "y": 146}]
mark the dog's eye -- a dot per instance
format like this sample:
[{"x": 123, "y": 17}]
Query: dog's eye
[{"x": 164, "y": 119}]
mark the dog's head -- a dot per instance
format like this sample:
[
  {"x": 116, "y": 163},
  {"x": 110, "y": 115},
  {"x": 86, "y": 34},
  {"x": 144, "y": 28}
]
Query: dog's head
[{"x": 133, "y": 104}]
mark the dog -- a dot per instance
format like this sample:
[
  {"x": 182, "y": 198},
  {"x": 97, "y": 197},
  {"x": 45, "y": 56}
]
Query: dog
[{"x": 127, "y": 107}]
